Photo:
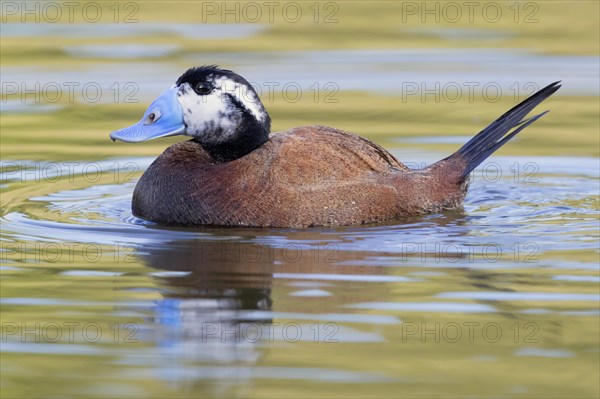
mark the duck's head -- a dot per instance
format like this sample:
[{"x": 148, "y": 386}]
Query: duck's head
[{"x": 216, "y": 107}]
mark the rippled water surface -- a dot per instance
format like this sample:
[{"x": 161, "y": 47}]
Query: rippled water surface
[
  {"x": 506, "y": 286},
  {"x": 499, "y": 299}
]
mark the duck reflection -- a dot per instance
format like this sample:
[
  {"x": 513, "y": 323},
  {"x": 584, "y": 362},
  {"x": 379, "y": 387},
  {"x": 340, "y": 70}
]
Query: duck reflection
[
  {"x": 217, "y": 291},
  {"x": 218, "y": 288},
  {"x": 217, "y": 298}
]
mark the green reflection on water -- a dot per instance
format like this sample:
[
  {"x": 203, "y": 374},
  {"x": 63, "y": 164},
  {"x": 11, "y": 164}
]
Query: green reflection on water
[{"x": 408, "y": 354}]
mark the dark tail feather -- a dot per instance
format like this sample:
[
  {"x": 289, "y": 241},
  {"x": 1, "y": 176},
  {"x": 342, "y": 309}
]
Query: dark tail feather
[{"x": 486, "y": 142}]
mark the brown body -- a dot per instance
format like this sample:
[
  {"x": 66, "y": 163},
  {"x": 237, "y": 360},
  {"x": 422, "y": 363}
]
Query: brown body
[
  {"x": 235, "y": 173},
  {"x": 307, "y": 176}
]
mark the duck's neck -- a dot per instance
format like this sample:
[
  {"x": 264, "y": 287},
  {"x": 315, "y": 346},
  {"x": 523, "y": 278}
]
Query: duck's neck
[{"x": 248, "y": 137}]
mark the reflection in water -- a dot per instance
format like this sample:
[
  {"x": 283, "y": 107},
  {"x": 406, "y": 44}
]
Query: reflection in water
[
  {"x": 218, "y": 310},
  {"x": 217, "y": 307},
  {"x": 217, "y": 301},
  {"x": 208, "y": 289},
  {"x": 221, "y": 310}
]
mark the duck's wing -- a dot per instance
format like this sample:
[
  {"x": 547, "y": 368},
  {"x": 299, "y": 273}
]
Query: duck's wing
[
  {"x": 308, "y": 176},
  {"x": 319, "y": 155}
]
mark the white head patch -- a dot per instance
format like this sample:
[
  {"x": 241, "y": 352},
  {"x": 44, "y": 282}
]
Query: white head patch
[
  {"x": 244, "y": 94},
  {"x": 214, "y": 116},
  {"x": 211, "y": 115}
]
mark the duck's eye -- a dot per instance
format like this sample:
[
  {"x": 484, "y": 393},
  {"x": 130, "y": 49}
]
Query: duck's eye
[
  {"x": 203, "y": 88},
  {"x": 152, "y": 117}
]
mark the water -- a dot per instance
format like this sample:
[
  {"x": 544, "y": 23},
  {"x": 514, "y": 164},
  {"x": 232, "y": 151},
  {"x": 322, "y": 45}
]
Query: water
[
  {"x": 500, "y": 299},
  {"x": 131, "y": 30},
  {"x": 429, "y": 304},
  {"x": 453, "y": 74}
]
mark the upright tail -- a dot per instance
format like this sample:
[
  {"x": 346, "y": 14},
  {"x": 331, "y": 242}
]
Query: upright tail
[{"x": 486, "y": 142}]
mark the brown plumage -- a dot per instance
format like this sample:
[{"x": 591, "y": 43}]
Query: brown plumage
[
  {"x": 307, "y": 176},
  {"x": 234, "y": 174}
]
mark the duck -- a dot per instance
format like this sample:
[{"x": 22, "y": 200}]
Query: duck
[{"x": 233, "y": 171}]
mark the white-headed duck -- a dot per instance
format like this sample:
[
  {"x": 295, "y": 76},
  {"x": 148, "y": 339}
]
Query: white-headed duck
[{"x": 234, "y": 172}]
